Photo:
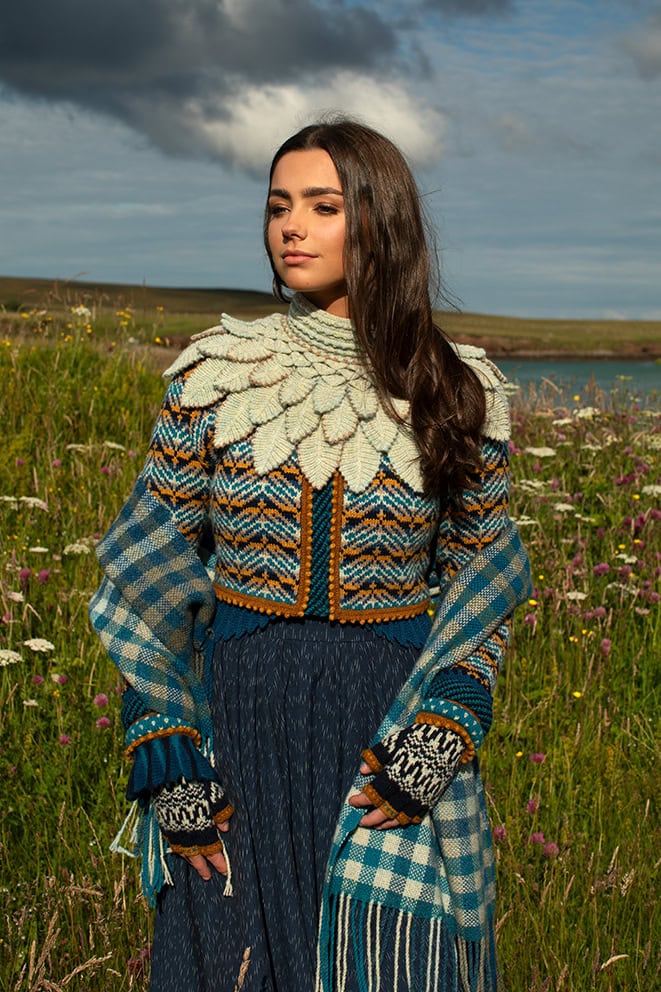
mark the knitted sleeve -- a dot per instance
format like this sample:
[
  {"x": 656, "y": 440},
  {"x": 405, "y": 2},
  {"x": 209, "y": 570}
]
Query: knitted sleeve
[
  {"x": 463, "y": 694},
  {"x": 180, "y": 459}
]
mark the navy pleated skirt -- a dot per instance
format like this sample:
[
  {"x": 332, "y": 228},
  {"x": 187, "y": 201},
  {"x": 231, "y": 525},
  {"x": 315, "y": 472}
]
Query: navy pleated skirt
[{"x": 293, "y": 706}]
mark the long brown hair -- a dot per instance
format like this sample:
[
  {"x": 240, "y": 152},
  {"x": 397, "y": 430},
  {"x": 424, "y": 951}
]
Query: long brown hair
[{"x": 387, "y": 270}]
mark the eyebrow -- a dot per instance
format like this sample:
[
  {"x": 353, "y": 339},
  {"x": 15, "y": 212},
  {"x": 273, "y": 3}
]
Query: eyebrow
[{"x": 309, "y": 191}]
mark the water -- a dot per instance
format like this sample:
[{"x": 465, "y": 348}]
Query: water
[{"x": 641, "y": 378}]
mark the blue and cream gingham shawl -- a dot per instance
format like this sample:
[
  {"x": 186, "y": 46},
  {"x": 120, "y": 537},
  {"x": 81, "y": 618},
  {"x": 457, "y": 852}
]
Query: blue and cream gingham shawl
[
  {"x": 153, "y": 613},
  {"x": 441, "y": 869}
]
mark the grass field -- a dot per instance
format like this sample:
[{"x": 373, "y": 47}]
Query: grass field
[
  {"x": 571, "y": 764},
  {"x": 171, "y": 315}
]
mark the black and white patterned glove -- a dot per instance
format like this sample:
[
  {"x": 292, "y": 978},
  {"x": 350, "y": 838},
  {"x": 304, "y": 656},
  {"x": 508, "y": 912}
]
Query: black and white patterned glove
[
  {"x": 413, "y": 768},
  {"x": 189, "y": 813}
]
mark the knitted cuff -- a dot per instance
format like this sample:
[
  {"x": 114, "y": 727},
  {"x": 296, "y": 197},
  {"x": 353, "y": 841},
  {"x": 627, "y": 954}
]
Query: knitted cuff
[
  {"x": 413, "y": 768},
  {"x": 160, "y": 760},
  {"x": 154, "y": 725},
  {"x": 465, "y": 690},
  {"x": 189, "y": 814},
  {"x": 465, "y": 721}
]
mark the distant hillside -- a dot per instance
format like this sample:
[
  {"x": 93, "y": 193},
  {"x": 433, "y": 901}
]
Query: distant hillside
[{"x": 187, "y": 310}]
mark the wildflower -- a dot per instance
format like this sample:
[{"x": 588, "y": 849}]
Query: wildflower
[
  {"x": 540, "y": 452},
  {"x": 57, "y": 463},
  {"x": 625, "y": 571},
  {"x": 605, "y": 647},
  {"x": 60, "y": 679},
  {"x": 100, "y": 699},
  {"x": 577, "y": 694},
  {"x": 105, "y": 470},
  {"x": 103, "y": 722},
  {"x": 38, "y": 549},
  {"x": 599, "y": 612},
  {"x": 519, "y": 754},
  {"x": 530, "y": 620},
  {"x": 43, "y": 575},
  {"x": 24, "y": 577},
  {"x": 532, "y": 806},
  {"x": 8, "y": 657},
  {"x": 77, "y": 548},
  {"x": 131, "y": 453},
  {"x": 537, "y": 758},
  {"x": 574, "y": 594},
  {"x": 563, "y": 507},
  {"x": 38, "y": 680},
  {"x": 20, "y": 462},
  {"x": 38, "y": 644},
  {"x": 537, "y": 838},
  {"x": 550, "y": 850},
  {"x": 499, "y": 834},
  {"x": 30, "y": 702},
  {"x": 33, "y": 502},
  {"x": 64, "y": 740},
  {"x": 603, "y": 568}
]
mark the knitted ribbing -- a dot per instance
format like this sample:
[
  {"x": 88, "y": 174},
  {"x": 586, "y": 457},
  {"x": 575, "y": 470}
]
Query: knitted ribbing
[{"x": 319, "y": 602}]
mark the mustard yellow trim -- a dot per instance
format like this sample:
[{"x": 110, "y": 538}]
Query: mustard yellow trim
[{"x": 165, "y": 732}]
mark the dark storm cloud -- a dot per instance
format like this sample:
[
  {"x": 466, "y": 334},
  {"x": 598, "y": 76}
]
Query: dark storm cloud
[
  {"x": 126, "y": 58},
  {"x": 470, "y": 8}
]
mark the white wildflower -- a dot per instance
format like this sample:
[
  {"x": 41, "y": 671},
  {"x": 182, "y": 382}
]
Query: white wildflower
[
  {"x": 11, "y": 500},
  {"x": 563, "y": 422},
  {"x": 82, "y": 312},
  {"x": 586, "y": 413},
  {"x": 627, "y": 559},
  {"x": 79, "y": 447},
  {"x": 576, "y": 595},
  {"x": 651, "y": 490},
  {"x": 38, "y": 644},
  {"x": 563, "y": 507},
  {"x": 38, "y": 549},
  {"x": 77, "y": 548},
  {"x": 114, "y": 446},
  {"x": 525, "y": 522},
  {"x": 531, "y": 485},
  {"x": 585, "y": 520},
  {"x": 8, "y": 657},
  {"x": 15, "y": 597},
  {"x": 540, "y": 452},
  {"x": 591, "y": 447},
  {"x": 33, "y": 502},
  {"x": 30, "y": 702}
]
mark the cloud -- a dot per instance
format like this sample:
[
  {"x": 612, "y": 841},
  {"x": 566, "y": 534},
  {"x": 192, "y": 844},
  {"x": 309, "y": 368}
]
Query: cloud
[
  {"x": 470, "y": 8},
  {"x": 249, "y": 131},
  {"x": 644, "y": 47}
]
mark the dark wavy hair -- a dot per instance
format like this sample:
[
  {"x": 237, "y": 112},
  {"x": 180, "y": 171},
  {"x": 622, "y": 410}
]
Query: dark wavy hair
[{"x": 387, "y": 264}]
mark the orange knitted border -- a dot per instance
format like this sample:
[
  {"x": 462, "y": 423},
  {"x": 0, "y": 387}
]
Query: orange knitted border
[
  {"x": 437, "y": 720},
  {"x": 165, "y": 732}
]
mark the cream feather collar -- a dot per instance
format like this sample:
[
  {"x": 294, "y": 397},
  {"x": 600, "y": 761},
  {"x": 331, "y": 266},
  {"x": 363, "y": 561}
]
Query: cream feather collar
[{"x": 296, "y": 384}]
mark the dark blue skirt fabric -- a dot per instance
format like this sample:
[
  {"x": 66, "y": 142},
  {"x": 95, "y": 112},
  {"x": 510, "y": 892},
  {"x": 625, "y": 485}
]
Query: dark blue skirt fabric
[{"x": 294, "y": 704}]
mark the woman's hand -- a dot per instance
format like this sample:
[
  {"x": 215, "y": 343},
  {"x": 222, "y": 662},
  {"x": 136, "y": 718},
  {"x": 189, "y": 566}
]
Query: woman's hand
[
  {"x": 377, "y": 819},
  {"x": 203, "y": 865}
]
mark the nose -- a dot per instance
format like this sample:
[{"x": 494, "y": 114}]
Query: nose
[{"x": 293, "y": 225}]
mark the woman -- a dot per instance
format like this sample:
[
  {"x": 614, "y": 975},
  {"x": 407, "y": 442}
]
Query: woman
[{"x": 266, "y": 597}]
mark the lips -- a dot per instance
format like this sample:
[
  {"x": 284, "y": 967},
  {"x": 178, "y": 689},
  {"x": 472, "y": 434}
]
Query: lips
[{"x": 295, "y": 257}]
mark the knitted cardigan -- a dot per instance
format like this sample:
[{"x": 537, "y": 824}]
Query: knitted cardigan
[{"x": 248, "y": 453}]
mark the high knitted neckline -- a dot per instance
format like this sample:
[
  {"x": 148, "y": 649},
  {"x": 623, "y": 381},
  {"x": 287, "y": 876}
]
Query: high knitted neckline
[{"x": 323, "y": 332}]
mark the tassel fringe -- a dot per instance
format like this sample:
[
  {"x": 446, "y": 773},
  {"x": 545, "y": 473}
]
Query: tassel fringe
[{"x": 374, "y": 948}]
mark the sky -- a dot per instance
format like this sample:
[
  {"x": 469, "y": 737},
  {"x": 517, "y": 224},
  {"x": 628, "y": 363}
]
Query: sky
[{"x": 135, "y": 138}]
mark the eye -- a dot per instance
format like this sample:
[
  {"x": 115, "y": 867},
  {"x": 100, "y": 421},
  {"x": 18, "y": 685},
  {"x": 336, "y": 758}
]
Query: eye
[
  {"x": 326, "y": 208},
  {"x": 276, "y": 210}
]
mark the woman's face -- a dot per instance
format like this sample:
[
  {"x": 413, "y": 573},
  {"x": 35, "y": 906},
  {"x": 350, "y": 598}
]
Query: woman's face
[{"x": 306, "y": 228}]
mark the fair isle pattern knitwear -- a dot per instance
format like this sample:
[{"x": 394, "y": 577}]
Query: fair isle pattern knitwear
[{"x": 296, "y": 384}]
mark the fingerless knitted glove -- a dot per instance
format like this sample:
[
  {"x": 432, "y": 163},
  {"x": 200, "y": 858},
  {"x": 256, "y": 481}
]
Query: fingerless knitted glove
[
  {"x": 189, "y": 813},
  {"x": 413, "y": 768}
]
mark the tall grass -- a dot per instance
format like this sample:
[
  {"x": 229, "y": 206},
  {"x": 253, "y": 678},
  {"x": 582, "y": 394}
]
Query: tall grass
[{"x": 571, "y": 756}]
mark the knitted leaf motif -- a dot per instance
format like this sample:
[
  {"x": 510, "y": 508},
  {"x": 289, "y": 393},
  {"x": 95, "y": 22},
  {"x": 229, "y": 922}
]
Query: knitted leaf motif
[
  {"x": 360, "y": 461},
  {"x": 318, "y": 459},
  {"x": 296, "y": 384},
  {"x": 271, "y": 445}
]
